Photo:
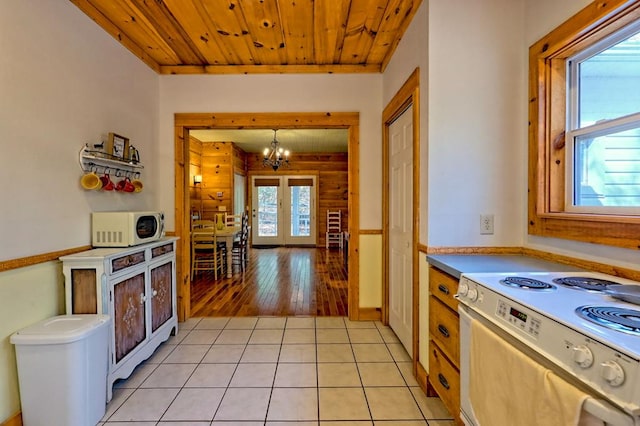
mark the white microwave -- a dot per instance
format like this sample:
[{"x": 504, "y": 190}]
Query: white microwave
[{"x": 124, "y": 229}]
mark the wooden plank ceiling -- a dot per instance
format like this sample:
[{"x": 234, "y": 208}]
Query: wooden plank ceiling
[{"x": 256, "y": 36}]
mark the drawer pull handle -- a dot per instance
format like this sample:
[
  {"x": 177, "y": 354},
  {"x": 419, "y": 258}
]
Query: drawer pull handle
[
  {"x": 443, "y": 381},
  {"x": 443, "y": 288},
  {"x": 443, "y": 330}
]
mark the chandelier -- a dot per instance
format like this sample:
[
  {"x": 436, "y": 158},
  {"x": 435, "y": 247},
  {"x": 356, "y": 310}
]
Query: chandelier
[{"x": 276, "y": 155}]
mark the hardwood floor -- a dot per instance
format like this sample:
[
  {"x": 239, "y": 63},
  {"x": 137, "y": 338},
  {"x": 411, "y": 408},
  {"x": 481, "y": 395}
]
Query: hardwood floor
[{"x": 280, "y": 281}]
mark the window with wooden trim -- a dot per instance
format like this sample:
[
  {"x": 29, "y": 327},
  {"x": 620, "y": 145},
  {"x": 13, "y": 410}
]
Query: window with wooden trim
[{"x": 584, "y": 136}]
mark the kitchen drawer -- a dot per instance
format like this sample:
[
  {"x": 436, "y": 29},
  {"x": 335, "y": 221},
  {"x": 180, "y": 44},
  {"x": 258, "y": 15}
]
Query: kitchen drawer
[
  {"x": 443, "y": 286},
  {"x": 121, "y": 263},
  {"x": 444, "y": 328},
  {"x": 161, "y": 250},
  {"x": 445, "y": 379}
]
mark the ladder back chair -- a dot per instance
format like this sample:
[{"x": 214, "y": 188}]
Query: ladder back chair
[
  {"x": 206, "y": 253},
  {"x": 334, "y": 228}
]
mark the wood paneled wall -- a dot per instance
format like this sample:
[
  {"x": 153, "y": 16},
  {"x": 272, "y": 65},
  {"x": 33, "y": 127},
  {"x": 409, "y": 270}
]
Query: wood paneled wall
[
  {"x": 217, "y": 178},
  {"x": 218, "y": 161},
  {"x": 333, "y": 184}
]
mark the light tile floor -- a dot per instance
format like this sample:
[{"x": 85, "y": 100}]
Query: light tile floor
[{"x": 275, "y": 371}]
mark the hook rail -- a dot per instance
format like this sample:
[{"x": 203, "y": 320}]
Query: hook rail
[{"x": 102, "y": 162}]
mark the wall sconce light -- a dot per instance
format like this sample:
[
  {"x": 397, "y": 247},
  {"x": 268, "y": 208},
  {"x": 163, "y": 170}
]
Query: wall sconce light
[{"x": 197, "y": 179}]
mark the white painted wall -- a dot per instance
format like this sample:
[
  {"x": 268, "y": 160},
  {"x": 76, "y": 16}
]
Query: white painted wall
[
  {"x": 477, "y": 112},
  {"x": 473, "y": 111},
  {"x": 541, "y": 17},
  {"x": 412, "y": 53},
  {"x": 287, "y": 93},
  {"x": 278, "y": 93},
  {"x": 63, "y": 82}
]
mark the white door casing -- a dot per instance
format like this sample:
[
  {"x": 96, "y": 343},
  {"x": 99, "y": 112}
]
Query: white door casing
[{"x": 401, "y": 228}]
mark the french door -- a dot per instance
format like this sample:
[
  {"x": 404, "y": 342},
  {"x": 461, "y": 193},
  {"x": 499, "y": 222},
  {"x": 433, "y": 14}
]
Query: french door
[{"x": 283, "y": 210}]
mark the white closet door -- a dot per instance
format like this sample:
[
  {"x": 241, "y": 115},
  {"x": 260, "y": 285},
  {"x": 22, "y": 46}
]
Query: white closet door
[{"x": 401, "y": 228}]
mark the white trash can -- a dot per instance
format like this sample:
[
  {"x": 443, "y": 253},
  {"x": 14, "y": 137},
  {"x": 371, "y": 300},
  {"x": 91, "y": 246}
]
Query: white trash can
[{"x": 62, "y": 370}]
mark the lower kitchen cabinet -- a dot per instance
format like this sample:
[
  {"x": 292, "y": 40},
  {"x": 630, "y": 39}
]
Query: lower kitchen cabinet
[
  {"x": 136, "y": 287},
  {"x": 445, "y": 379},
  {"x": 444, "y": 341}
]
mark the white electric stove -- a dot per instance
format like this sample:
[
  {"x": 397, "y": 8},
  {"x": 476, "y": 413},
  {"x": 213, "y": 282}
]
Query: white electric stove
[{"x": 568, "y": 319}]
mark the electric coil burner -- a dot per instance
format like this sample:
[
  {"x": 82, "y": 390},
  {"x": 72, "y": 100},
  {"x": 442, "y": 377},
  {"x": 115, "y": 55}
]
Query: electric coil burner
[
  {"x": 527, "y": 283},
  {"x": 615, "y": 318},
  {"x": 584, "y": 283}
]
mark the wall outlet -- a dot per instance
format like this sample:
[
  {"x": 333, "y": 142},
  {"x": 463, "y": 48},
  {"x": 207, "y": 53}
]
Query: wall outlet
[{"x": 486, "y": 224}]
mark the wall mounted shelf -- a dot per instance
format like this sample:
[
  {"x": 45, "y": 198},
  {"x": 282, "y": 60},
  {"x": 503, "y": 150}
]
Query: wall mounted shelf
[{"x": 102, "y": 163}]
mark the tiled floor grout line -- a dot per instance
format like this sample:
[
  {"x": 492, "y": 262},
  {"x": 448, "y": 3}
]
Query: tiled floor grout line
[
  {"x": 138, "y": 387},
  {"x": 183, "y": 385},
  {"x": 359, "y": 374},
  {"x": 396, "y": 359},
  {"x": 275, "y": 373},
  {"x": 226, "y": 389},
  {"x": 315, "y": 323}
]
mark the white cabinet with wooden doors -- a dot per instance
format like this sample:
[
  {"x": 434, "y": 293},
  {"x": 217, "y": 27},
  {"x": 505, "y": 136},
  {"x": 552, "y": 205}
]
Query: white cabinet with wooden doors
[{"x": 136, "y": 287}]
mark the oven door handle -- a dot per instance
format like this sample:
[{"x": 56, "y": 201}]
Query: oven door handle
[{"x": 604, "y": 411}]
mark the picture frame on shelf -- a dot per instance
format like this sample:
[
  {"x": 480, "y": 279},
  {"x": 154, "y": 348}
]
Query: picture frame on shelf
[{"x": 117, "y": 147}]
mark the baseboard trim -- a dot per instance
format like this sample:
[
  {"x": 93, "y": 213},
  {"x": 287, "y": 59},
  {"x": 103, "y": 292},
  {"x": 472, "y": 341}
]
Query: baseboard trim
[
  {"x": 370, "y": 314},
  {"x": 431, "y": 391},
  {"x": 15, "y": 420},
  {"x": 421, "y": 377}
]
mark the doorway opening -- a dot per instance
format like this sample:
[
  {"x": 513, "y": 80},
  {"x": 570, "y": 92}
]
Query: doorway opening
[
  {"x": 184, "y": 122},
  {"x": 277, "y": 281}
]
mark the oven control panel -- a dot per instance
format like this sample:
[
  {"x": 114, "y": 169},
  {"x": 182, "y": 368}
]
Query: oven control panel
[{"x": 519, "y": 318}]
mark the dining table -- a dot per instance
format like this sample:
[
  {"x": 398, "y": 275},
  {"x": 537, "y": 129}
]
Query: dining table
[{"x": 226, "y": 234}]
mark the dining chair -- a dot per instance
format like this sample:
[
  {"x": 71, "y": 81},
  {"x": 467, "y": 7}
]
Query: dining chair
[
  {"x": 207, "y": 254},
  {"x": 202, "y": 223},
  {"x": 239, "y": 252},
  {"x": 334, "y": 228},
  {"x": 233, "y": 220},
  {"x": 211, "y": 225}
]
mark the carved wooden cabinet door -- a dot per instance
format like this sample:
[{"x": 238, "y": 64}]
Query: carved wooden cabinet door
[
  {"x": 161, "y": 295},
  {"x": 129, "y": 314}
]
